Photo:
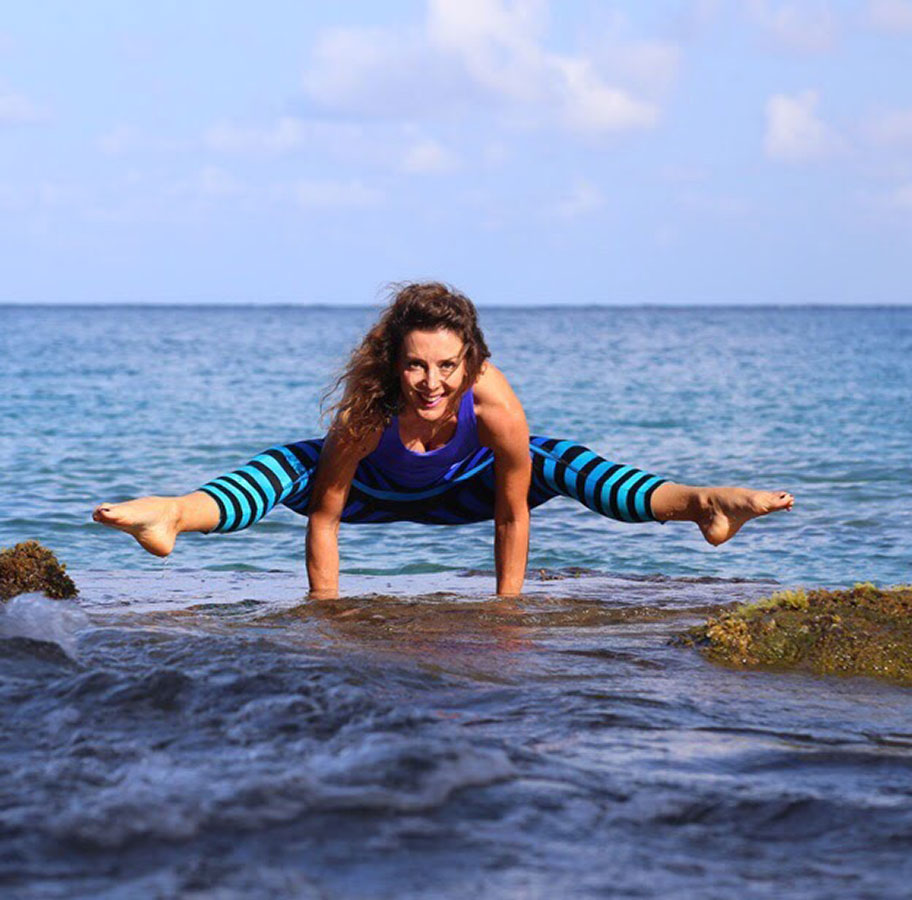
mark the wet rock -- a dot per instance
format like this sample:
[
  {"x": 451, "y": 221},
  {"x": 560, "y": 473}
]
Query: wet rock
[
  {"x": 863, "y": 631},
  {"x": 30, "y": 567}
]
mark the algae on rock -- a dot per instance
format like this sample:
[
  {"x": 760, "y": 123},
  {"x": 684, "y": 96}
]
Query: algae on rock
[
  {"x": 31, "y": 567},
  {"x": 862, "y": 631}
]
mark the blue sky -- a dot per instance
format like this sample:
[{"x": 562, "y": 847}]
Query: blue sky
[{"x": 697, "y": 151}]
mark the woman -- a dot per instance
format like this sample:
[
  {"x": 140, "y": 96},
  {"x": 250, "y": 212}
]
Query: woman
[{"x": 428, "y": 430}]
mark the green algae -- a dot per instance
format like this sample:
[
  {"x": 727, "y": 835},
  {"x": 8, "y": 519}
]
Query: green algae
[
  {"x": 31, "y": 567},
  {"x": 862, "y": 631}
]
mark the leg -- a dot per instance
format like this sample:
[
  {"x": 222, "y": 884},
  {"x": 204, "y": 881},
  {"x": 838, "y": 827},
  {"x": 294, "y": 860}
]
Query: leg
[
  {"x": 718, "y": 511},
  {"x": 567, "y": 468},
  {"x": 227, "y": 503}
]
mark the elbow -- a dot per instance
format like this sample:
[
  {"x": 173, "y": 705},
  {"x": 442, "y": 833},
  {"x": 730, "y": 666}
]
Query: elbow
[{"x": 512, "y": 517}]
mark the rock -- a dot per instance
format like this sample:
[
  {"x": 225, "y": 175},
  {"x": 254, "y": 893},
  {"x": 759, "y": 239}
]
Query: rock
[
  {"x": 863, "y": 631},
  {"x": 30, "y": 567}
]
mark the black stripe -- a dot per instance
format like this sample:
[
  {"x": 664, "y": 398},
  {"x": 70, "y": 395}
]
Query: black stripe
[
  {"x": 545, "y": 491},
  {"x": 583, "y": 475},
  {"x": 613, "y": 494},
  {"x": 238, "y": 516},
  {"x": 298, "y": 502},
  {"x": 571, "y": 453},
  {"x": 271, "y": 476},
  {"x": 223, "y": 513},
  {"x": 254, "y": 517},
  {"x": 282, "y": 460},
  {"x": 632, "y": 496},
  {"x": 597, "y": 492},
  {"x": 563, "y": 471},
  {"x": 647, "y": 499},
  {"x": 482, "y": 493},
  {"x": 307, "y": 460},
  {"x": 267, "y": 503},
  {"x": 366, "y": 475}
]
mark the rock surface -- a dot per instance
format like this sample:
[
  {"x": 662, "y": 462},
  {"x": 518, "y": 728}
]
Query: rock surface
[
  {"x": 863, "y": 631},
  {"x": 30, "y": 567}
]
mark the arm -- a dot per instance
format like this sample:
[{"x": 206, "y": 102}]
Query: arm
[
  {"x": 502, "y": 427},
  {"x": 338, "y": 461}
]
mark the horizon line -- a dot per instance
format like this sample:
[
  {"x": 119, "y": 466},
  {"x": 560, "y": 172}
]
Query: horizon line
[{"x": 247, "y": 304}]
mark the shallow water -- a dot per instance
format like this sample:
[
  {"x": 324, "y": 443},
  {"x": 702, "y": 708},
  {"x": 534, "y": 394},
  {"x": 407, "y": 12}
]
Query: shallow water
[
  {"x": 194, "y": 728},
  {"x": 219, "y": 737}
]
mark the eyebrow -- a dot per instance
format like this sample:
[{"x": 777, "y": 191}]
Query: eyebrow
[{"x": 453, "y": 359}]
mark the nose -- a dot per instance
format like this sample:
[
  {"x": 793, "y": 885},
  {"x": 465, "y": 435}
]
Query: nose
[{"x": 433, "y": 379}]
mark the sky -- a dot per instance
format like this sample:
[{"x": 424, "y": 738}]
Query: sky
[{"x": 669, "y": 152}]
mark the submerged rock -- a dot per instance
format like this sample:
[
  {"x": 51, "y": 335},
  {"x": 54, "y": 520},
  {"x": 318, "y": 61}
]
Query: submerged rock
[
  {"x": 862, "y": 631},
  {"x": 30, "y": 567}
]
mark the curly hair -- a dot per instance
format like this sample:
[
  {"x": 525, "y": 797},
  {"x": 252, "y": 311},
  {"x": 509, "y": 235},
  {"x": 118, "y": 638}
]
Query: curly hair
[{"x": 371, "y": 394}]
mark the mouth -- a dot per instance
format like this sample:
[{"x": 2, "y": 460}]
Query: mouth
[{"x": 429, "y": 402}]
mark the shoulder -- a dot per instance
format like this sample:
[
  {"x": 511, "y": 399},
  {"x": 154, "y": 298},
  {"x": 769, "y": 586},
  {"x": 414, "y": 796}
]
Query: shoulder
[{"x": 500, "y": 415}]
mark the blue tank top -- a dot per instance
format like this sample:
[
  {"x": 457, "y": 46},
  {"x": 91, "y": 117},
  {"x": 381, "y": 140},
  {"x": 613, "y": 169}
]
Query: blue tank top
[{"x": 420, "y": 470}]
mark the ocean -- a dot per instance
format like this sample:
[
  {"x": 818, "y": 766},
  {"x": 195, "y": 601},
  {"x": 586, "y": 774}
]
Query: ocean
[{"x": 194, "y": 727}]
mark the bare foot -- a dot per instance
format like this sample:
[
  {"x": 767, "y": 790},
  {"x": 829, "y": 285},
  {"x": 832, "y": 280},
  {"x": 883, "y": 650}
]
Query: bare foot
[
  {"x": 726, "y": 509},
  {"x": 153, "y": 521}
]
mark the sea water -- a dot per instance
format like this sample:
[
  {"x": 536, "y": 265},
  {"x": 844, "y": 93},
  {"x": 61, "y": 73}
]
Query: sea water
[{"x": 194, "y": 728}]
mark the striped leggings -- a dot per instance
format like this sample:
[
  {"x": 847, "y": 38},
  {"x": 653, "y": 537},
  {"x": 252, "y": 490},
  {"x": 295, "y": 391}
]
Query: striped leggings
[{"x": 284, "y": 474}]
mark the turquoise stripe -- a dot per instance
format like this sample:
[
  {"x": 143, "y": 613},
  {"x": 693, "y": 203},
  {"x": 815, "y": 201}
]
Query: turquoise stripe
[
  {"x": 552, "y": 457},
  {"x": 575, "y": 467},
  {"x": 234, "y": 479},
  {"x": 227, "y": 506},
  {"x": 262, "y": 481},
  {"x": 641, "y": 497},
  {"x": 286, "y": 482},
  {"x": 592, "y": 480},
  {"x": 606, "y": 491},
  {"x": 294, "y": 462},
  {"x": 229, "y": 487}
]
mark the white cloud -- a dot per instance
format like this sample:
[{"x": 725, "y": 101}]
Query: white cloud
[
  {"x": 588, "y": 104},
  {"x": 794, "y": 133},
  {"x": 429, "y": 157},
  {"x": 809, "y": 26},
  {"x": 471, "y": 53},
  {"x": 17, "y": 109},
  {"x": 382, "y": 73},
  {"x": 891, "y": 128},
  {"x": 329, "y": 194},
  {"x": 891, "y": 15},
  {"x": 584, "y": 198}
]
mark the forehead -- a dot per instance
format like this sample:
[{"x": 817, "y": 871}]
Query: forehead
[{"x": 433, "y": 345}]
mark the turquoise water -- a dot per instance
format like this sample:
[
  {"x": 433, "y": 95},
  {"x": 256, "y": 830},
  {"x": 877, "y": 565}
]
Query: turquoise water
[
  {"x": 196, "y": 728},
  {"x": 109, "y": 403}
]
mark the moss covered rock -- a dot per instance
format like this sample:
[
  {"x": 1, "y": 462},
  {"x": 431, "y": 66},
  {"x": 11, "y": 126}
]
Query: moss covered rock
[
  {"x": 30, "y": 567},
  {"x": 863, "y": 631}
]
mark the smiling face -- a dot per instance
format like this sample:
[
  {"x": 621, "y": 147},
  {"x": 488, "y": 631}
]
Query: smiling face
[{"x": 431, "y": 372}]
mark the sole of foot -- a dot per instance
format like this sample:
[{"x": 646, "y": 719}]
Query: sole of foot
[
  {"x": 728, "y": 509},
  {"x": 152, "y": 521}
]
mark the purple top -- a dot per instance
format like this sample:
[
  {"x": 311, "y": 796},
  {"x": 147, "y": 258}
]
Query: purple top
[{"x": 420, "y": 470}]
